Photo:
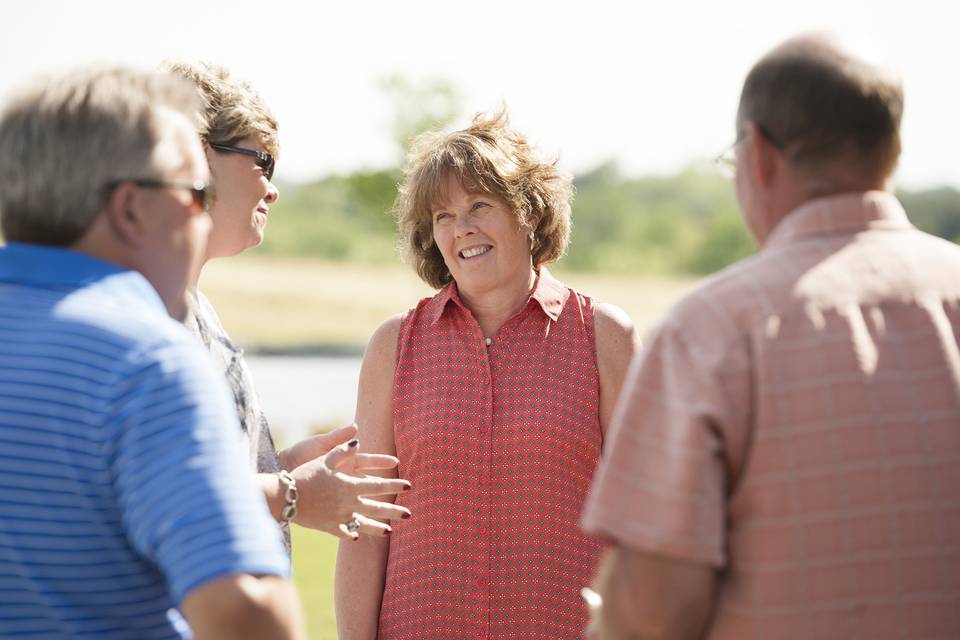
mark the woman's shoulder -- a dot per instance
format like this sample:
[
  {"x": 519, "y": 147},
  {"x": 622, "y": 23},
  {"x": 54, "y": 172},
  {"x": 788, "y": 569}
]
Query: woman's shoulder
[
  {"x": 389, "y": 329},
  {"x": 429, "y": 309},
  {"x": 616, "y": 335},
  {"x": 607, "y": 317},
  {"x": 382, "y": 346},
  {"x": 610, "y": 318}
]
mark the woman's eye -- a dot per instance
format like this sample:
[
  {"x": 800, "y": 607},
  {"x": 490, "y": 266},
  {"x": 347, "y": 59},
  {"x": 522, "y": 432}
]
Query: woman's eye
[
  {"x": 440, "y": 216},
  {"x": 480, "y": 205}
]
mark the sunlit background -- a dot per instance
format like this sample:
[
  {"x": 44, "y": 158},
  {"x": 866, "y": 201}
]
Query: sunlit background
[
  {"x": 633, "y": 98},
  {"x": 650, "y": 85}
]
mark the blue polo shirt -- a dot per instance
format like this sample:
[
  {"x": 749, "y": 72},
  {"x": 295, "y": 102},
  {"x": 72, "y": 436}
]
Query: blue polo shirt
[{"x": 123, "y": 485}]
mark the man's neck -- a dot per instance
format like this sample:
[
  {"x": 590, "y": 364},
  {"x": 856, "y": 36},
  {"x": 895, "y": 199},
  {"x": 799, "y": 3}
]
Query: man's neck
[{"x": 803, "y": 189}]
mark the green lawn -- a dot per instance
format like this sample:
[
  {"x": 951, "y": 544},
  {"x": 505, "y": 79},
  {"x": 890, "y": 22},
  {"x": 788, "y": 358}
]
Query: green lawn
[
  {"x": 314, "y": 555},
  {"x": 294, "y": 301}
]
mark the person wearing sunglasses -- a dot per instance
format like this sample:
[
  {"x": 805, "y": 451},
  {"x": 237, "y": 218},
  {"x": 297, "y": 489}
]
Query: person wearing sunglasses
[
  {"x": 123, "y": 513},
  {"x": 301, "y": 483}
]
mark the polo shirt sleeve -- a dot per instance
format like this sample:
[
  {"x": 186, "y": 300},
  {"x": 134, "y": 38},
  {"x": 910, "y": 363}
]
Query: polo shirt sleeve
[
  {"x": 660, "y": 485},
  {"x": 188, "y": 502}
]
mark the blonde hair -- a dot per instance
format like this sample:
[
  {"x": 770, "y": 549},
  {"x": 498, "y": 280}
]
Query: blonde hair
[
  {"x": 487, "y": 157},
  {"x": 64, "y": 139},
  {"x": 231, "y": 110}
]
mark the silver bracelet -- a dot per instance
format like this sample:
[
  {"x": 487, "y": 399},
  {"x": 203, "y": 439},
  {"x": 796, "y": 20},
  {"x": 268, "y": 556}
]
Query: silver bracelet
[{"x": 291, "y": 495}]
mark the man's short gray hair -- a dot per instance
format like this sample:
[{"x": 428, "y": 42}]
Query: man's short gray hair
[
  {"x": 64, "y": 139},
  {"x": 823, "y": 105}
]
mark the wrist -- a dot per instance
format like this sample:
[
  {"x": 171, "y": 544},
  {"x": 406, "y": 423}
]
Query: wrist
[{"x": 290, "y": 496}]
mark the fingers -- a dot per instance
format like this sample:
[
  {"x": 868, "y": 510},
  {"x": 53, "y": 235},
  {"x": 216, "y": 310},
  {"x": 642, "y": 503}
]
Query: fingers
[
  {"x": 370, "y": 461},
  {"x": 382, "y": 510},
  {"x": 591, "y": 632},
  {"x": 330, "y": 499},
  {"x": 594, "y": 602},
  {"x": 367, "y": 526},
  {"x": 341, "y": 454},
  {"x": 315, "y": 446},
  {"x": 373, "y": 486},
  {"x": 327, "y": 441},
  {"x": 342, "y": 532},
  {"x": 371, "y": 527}
]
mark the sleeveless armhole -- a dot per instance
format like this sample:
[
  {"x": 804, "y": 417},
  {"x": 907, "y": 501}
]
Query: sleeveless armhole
[{"x": 589, "y": 306}]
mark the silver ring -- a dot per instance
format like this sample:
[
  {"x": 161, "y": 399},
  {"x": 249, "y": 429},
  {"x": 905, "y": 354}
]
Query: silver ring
[{"x": 353, "y": 526}]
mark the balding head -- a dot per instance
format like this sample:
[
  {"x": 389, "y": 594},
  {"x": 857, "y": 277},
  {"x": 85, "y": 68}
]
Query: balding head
[{"x": 825, "y": 108}]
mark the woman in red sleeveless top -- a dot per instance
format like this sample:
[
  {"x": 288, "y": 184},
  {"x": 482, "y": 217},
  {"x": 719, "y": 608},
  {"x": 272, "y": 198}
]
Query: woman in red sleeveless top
[{"x": 494, "y": 394}]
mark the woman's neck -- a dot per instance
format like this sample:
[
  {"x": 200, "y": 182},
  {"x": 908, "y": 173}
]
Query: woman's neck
[
  {"x": 494, "y": 307},
  {"x": 195, "y": 279}
]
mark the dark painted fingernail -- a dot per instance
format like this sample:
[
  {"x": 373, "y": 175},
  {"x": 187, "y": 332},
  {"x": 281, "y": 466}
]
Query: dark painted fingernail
[
  {"x": 353, "y": 443},
  {"x": 386, "y": 532},
  {"x": 408, "y": 487},
  {"x": 404, "y": 515}
]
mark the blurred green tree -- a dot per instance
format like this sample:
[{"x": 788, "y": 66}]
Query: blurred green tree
[
  {"x": 685, "y": 223},
  {"x": 420, "y": 106},
  {"x": 936, "y": 211},
  {"x": 347, "y": 217}
]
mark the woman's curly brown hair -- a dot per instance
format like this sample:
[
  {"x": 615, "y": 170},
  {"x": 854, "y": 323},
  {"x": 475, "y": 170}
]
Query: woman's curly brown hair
[
  {"x": 231, "y": 110},
  {"x": 487, "y": 157}
]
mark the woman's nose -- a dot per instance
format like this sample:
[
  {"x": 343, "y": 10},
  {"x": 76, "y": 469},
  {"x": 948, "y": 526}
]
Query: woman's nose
[{"x": 272, "y": 193}]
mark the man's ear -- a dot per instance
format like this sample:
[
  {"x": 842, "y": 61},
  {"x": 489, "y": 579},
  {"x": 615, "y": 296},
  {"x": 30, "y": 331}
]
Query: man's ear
[
  {"x": 124, "y": 213},
  {"x": 764, "y": 157}
]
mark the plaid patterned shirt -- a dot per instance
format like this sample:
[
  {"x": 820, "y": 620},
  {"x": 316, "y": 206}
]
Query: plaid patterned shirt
[{"x": 796, "y": 422}]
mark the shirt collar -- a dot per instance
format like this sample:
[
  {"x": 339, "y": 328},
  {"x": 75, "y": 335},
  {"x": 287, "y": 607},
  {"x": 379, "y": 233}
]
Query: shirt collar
[
  {"x": 62, "y": 268},
  {"x": 548, "y": 292},
  {"x": 844, "y": 213}
]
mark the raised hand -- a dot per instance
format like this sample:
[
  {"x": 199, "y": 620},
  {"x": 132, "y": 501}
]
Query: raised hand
[{"x": 335, "y": 490}]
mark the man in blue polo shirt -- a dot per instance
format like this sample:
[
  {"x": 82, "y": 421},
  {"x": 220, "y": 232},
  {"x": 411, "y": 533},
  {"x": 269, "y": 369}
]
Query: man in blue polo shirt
[{"x": 123, "y": 510}]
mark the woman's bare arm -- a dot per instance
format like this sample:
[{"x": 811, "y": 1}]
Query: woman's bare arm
[{"x": 361, "y": 564}]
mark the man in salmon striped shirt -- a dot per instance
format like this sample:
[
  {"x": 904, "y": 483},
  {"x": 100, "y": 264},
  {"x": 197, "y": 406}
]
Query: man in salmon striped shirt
[{"x": 785, "y": 458}]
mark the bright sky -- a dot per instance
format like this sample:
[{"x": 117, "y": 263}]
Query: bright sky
[{"x": 651, "y": 85}]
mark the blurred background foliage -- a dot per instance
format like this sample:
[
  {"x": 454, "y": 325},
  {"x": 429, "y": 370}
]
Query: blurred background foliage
[
  {"x": 686, "y": 224},
  {"x": 682, "y": 224}
]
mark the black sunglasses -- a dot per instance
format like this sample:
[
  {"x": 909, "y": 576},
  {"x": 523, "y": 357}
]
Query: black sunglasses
[
  {"x": 201, "y": 193},
  {"x": 264, "y": 160}
]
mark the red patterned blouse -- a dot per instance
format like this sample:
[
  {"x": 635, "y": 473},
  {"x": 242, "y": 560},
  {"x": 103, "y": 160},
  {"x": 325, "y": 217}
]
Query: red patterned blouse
[{"x": 500, "y": 438}]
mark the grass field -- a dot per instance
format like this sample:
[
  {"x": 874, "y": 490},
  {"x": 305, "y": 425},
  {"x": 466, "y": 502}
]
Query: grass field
[
  {"x": 288, "y": 302},
  {"x": 314, "y": 555},
  {"x": 283, "y": 302}
]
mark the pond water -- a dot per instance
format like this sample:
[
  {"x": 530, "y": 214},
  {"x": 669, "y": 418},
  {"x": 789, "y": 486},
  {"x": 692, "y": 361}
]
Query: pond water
[{"x": 302, "y": 393}]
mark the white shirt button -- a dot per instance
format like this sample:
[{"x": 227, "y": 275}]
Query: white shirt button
[{"x": 488, "y": 341}]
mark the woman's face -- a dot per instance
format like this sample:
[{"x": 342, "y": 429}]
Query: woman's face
[
  {"x": 243, "y": 199},
  {"x": 480, "y": 240}
]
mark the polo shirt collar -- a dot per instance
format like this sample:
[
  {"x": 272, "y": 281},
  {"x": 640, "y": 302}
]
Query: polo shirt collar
[
  {"x": 549, "y": 293},
  {"x": 844, "y": 213},
  {"x": 65, "y": 269}
]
